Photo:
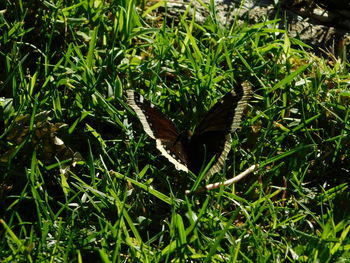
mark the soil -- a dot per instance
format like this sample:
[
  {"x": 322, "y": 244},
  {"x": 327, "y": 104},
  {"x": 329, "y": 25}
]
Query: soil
[{"x": 323, "y": 27}]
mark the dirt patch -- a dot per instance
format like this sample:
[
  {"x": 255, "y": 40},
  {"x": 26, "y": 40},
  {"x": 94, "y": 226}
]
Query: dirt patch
[{"x": 323, "y": 27}]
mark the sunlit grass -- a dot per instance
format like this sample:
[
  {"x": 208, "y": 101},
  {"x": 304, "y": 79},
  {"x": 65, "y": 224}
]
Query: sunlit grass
[{"x": 80, "y": 181}]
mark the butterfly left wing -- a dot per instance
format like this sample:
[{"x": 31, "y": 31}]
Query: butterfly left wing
[
  {"x": 212, "y": 138},
  {"x": 160, "y": 128}
]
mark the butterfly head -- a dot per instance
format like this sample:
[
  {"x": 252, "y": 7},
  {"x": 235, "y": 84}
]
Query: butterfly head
[
  {"x": 188, "y": 134},
  {"x": 184, "y": 138}
]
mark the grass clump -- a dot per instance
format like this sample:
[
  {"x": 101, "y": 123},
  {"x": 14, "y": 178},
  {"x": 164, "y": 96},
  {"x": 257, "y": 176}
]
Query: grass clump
[{"x": 81, "y": 182}]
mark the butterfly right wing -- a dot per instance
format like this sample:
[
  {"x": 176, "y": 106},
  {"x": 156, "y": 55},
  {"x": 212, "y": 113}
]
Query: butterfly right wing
[
  {"x": 226, "y": 114},
  {"x": 160, "y": 128},
  {"x": 212, "y": 138}
]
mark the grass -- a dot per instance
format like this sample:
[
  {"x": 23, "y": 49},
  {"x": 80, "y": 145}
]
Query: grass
[{"x": 81, "y": 182}]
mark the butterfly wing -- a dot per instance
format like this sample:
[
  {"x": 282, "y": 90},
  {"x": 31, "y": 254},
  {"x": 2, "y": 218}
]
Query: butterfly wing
[
  {"x": 212, "y": 138},
  {"x": 160, "y": 128}
]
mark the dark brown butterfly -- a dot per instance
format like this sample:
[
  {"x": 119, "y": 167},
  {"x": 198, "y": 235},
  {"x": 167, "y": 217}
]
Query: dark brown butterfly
[{"x": 211, "y": 138}]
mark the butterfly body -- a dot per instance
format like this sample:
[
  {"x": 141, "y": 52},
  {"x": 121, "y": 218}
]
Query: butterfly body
[{"x": 210, "y": 140}]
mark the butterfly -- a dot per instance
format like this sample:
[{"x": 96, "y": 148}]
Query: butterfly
[{"x": 211, "y": 138}]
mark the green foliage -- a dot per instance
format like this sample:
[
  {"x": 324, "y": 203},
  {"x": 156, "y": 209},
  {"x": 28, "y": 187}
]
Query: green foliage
[{"x": 80, "y": 182}]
